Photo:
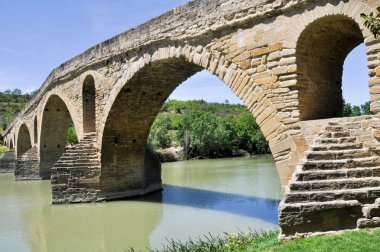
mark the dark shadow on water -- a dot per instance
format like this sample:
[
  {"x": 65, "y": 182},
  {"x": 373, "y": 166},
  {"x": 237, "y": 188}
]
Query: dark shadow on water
[{"x": 249, "y": 206}]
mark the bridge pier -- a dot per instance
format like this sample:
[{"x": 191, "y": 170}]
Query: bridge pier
[
  {"x": 8, "y": 162},
  {"x": 76, "y": 177},
  {"x": 28, "y": 165}
]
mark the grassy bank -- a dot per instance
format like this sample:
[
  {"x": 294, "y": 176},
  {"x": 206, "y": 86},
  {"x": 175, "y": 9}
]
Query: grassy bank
[{"x": 363, "y": 240}]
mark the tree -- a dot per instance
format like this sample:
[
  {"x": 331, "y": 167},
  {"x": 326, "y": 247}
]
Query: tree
[
  {"x": 365, "y": 108},
  {"x": 7, "y": 91},
  {"x": 16, "y": 91},
  {"x": 372, "y": 22}
]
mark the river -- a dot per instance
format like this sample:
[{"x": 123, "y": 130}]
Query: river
[{"x": 199, "y": 197}]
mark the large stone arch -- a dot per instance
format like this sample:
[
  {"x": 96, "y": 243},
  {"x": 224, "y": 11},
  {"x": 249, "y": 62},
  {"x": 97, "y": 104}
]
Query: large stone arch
[
  {"x": 137, "y": 101},
  {"x": 88, "y": 101},
  {"x": 24, "y": 142},
  {"x": 321, "y": 50},
  {"x": 56, "y": 119}
]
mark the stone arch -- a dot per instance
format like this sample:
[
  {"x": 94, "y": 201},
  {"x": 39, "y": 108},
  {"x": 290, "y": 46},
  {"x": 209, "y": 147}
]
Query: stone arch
[
  {"x": 24, "y": 142},
  {"x": 321, "y": 50},
  {"x": 35, "y": 127},
  {"x": 11, "y": 144},
  {"x": 56, "y": 119},
  {"x": 137, "y": 102},
  {"x": 88, "y": 101}
]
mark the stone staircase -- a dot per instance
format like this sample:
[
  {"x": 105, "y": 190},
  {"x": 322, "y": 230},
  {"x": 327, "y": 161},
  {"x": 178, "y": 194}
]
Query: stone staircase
[
  {"x": 335, "y": 187},
  {"x": 75, "y": 176}
]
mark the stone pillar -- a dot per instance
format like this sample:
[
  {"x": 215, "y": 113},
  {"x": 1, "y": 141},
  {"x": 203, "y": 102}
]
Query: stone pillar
[
  {"x": 28, "y": 165},
  {"x": 8, "y": 161}
]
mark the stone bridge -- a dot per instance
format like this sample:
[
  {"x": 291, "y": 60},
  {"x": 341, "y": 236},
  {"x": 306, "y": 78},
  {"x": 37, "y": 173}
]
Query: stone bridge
[{"x": 283, "y": 58}]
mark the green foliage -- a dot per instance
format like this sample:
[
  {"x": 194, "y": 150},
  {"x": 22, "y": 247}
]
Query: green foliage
[
  {"x": 349, "y": 110},
  {"x": 3, "y": 149},
  {"x": 159, "y": 136},
  {"x": 11, "y": 103},
  {"x": 372, "y": 22},
  {"x": 206, "y": 130},
  {"x": 71, "y": 137}
]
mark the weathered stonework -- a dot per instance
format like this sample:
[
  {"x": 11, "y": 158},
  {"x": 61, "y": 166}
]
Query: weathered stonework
[
  {"x": 282, "y": 58},
  {"x": 8, "y": 162},
  {"x": 28, "y": 165}
]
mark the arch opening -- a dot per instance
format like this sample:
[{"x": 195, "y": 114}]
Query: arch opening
[
  {"x": 24, "y": 142},
  {"x": 88, "y": 99},
  {"x": 56, "y": 120},
  {"x": 321, "y": 51},
  {"x": 126, "y": 162},
  {"x": 35, "y": 126}
]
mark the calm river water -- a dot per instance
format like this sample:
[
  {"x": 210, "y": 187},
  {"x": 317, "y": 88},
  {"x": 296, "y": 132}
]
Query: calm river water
[{"x": 199, "y": 197}]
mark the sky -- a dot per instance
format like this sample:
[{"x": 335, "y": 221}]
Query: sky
[{"x": 37, "y": 36}]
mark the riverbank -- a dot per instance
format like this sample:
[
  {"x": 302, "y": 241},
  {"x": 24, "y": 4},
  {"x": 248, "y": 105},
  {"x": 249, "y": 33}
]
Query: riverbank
[
  {"x": 175, "y": 154},
  {"x": 363, "y": 240}
]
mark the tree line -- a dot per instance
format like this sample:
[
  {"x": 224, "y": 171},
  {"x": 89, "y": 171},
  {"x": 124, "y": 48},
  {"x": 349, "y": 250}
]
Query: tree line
[{"x": 206, "y": 130}]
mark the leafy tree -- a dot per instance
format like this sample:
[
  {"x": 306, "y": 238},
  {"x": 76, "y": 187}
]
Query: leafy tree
[
  {"x": 71, "y": 137},
  {"x": 372, "y": 22},
  {"x": 347, "y": 109},
  {"x": 16, "y": 91},
  {"x": 159, "y": 137},
  {"x": 365, "y": 108}
]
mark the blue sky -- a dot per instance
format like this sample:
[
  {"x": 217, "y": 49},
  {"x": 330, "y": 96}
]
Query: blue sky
[{"x": 36, "y": 36}]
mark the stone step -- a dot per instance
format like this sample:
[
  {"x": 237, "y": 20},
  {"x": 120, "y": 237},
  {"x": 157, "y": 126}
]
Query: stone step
[
  {"x": 368, "y": 223},
  {"x": 367, "y": 194},
  {"x": 338, "y": 174},
  {"x": 372, "y": 210},
  {"x": 318, "y": 217},
  {"x": 333, "y": 128},
  {"x": 342, "y": 146},
  {"x": 334, "y": 134},
  {"x": 337, "y": 154},
  {"x": 335, "y": 140},
  {"x": 334, "y": 184},
  {"x": 339, "y": 164}
]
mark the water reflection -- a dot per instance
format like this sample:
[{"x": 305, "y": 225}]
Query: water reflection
[{"x": 199, "y": 197}]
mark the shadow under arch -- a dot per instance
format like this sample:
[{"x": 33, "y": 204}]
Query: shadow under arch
[
  {"x": 56, "y": 120},
  {"x": 127, "y": 168},
  {"x": 321, "y": 50},
  {"x": 24, "y": 142}
]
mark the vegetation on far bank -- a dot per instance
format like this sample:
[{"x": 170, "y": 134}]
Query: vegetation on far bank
[
  {"x": 206, "y": 130},
  {"x": 362, "y": 240}
]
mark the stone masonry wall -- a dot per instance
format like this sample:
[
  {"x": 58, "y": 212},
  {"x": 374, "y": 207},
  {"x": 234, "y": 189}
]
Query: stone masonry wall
[{"x": 8, "y": 162}]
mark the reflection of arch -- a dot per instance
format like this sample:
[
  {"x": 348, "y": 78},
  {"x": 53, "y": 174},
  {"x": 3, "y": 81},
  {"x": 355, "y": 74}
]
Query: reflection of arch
[
  {"x": 24, "y": 142},
  {"x": 56, "y": 120},
  {"x": 321, "y": 50},
  {"x": 35, "y": 126},
  {"x": 88, "y": 99}
]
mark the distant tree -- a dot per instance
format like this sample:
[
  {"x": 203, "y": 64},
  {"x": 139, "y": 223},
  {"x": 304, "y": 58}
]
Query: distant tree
[
  {"x": 16, "y": 91},
  {"x": 372, "y": 22},
  {"x": 356, "y": 111},
  {"x": 71, "y": 137},
  {"x": 7, "y": 91},
  {"x": 365, "y": 108},
  {"x": 347, "y": 109}
]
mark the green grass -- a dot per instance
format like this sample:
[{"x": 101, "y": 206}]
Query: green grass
[{"x": 363, "y": 240}]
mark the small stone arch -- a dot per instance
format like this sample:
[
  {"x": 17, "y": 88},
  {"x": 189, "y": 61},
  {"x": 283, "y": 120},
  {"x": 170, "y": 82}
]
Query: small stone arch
[
  {"x": 35, "y": 127},
  {"x": 88, "y": 101},
  {"x": 56, "y": 119},
  {"x": 321, "y": 50},
  {"x": 11, "y": 146},
  {"x": 24, "y": 142}
]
